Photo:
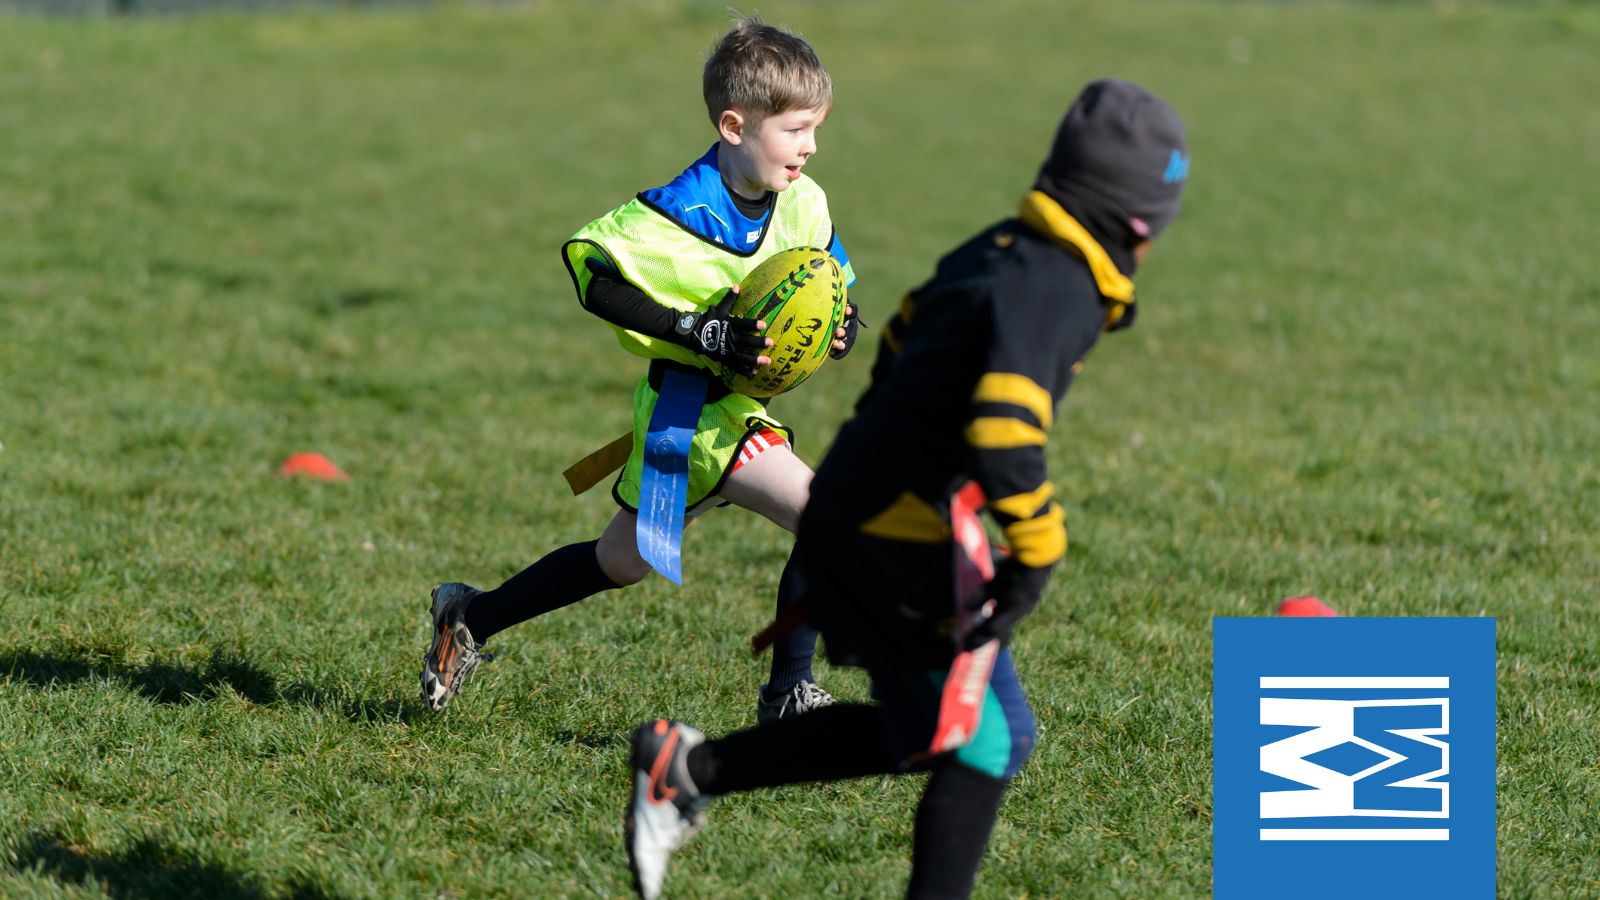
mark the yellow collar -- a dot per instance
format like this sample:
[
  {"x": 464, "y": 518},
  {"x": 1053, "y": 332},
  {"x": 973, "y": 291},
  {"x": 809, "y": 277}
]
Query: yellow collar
[{"x": 1046, "y": 216}]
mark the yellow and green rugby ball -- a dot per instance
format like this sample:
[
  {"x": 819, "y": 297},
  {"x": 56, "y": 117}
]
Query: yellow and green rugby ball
[{"x": 801, "y": 296}]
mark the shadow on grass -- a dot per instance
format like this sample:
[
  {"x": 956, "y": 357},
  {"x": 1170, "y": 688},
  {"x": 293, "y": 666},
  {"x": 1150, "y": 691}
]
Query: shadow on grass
[
  {"x": 148, "y": 868},
  {"x": 180, "y": 683},
  {"x": 159, "y": 680}
]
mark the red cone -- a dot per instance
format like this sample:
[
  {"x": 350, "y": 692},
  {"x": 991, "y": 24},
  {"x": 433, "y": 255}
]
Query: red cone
[
  {"x": 312, "y": 465},
  {"x": 1305, "y": 606}
]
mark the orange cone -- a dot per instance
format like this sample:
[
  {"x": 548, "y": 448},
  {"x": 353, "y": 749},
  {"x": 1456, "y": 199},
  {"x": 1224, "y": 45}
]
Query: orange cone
[
  {"x": 312, "y": 465},
  {"x": 1305, "y": 607}
]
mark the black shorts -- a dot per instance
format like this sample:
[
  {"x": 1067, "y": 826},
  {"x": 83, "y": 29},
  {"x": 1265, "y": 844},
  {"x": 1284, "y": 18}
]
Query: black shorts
[{"x": 878, "y": 602}]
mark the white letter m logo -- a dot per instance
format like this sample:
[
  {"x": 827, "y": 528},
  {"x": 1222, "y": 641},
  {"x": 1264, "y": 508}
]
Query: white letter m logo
[{"x": 1366, "y": 757}]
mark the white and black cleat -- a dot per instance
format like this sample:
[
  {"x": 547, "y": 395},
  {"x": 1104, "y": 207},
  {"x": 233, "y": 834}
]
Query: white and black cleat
[
  {"x": 667, "y": 809},
  {"x": 454, "y": 655},
  {"x": 796, "y": 701}
]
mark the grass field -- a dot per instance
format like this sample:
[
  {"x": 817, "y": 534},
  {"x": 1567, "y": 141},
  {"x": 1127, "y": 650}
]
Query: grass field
[{"x": 1366, "y": 368}]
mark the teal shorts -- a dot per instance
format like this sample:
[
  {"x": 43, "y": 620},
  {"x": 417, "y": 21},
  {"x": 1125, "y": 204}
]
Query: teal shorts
[{"x": 1005, "y": 734}]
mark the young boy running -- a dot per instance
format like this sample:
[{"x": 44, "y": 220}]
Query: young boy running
[
  {"x": 974, "y": 365},
  {"x": 663, "y": 270}
]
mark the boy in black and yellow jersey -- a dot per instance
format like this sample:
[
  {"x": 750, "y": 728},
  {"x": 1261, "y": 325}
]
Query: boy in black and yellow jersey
[{"x": 964, "y": 391}]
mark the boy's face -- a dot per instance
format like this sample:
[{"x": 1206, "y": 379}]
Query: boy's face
[{"x": 769, "y": 155}]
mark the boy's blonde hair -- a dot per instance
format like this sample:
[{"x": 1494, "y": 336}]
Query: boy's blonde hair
[{"x": 762, "y": 70}]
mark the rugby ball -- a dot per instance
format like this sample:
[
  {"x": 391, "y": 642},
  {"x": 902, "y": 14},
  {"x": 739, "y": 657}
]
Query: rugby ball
[{"x": 800, "y": 294}]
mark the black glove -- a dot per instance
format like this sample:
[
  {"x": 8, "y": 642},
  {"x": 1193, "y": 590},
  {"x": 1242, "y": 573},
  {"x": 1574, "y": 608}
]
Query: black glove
[
  {"x": 1016, "y": 590},
  {"x": 722, "y": 337},
  {"x": 850, "y": 324}
]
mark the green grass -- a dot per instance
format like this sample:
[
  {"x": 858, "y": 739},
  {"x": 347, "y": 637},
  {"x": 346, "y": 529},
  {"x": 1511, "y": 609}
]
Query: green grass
[{"x": 1365, "y": 369}]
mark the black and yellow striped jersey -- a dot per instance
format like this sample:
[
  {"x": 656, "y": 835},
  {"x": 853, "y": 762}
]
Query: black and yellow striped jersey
[{"x": 966, "y": 384}]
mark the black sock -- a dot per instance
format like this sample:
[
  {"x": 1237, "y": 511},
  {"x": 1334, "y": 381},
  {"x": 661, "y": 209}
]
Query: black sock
[
  {"x": 561, "y": 578},
  {"x": 828, "y": 744},
  {"x": 954, "y": 819},
  {"x": 791, "y": 655}
]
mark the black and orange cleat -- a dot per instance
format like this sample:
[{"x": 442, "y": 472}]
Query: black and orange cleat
[
  {"x": 666, "y": 809},
  {"x": 454, "y": 654}
]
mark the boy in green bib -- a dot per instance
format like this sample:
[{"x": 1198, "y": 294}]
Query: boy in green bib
[{"x": 663, "y": 270}]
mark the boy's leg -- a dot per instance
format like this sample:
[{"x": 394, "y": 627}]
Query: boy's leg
[
  {"x": 561, "y": 578},
  {"x": 676, "y": 773},
  {"x": 775, "y": 483},
  {"x": 464, "y": 618},
  {"x": 954, "y": 819},
  {"x": 791, "y": 688},
  {"x": 841, "y": 741},
  {"x": 962, "y": 800},
  {"x": 672, "y": 763}
]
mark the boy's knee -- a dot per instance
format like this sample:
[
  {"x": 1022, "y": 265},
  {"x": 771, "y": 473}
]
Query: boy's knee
[
  {"x": 624, "y": 571},
  {"x": 619, "y": 559}
]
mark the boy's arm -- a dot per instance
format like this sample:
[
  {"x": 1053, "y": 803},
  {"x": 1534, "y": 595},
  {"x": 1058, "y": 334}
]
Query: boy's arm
[
  {"x": 716, "y": 333},
  {"x": 616, "y": 300},
  {"x": 1011, "y": 410},
  {"x": 1006, "y": 437}
]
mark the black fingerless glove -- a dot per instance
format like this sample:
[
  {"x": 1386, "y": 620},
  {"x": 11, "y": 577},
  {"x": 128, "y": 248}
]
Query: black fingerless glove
[
  {"x": 851, "y": 322},
  {"x": 722, "y": 337}
]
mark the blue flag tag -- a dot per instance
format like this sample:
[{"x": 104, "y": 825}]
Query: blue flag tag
[{"x": 664, "y": 484}]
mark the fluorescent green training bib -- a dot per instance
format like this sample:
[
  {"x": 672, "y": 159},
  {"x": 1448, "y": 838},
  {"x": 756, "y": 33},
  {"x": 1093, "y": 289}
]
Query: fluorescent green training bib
[{"x": 685, "y": 271}]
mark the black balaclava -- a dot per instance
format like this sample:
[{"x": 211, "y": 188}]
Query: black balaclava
[{"x": 1118, "y": 165}]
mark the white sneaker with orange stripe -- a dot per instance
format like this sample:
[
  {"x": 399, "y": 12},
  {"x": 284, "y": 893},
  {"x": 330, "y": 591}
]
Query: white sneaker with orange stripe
[
  {"x": 666, "y": 809},
  {"x": 454, "y": 654}
]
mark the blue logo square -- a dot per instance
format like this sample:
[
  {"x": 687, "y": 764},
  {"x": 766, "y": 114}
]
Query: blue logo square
[{"x": 1353, "y": 758}]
